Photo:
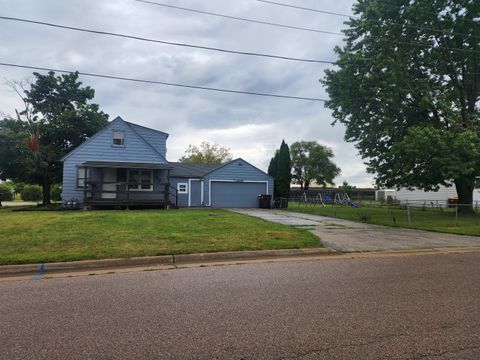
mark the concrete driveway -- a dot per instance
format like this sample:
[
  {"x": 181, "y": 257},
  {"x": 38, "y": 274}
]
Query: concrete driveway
[{"x": 345, "y": 235}]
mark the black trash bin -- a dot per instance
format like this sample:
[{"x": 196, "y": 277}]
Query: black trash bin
[{"x": 264, "y": 201}]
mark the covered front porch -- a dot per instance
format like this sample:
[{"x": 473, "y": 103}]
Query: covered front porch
[{"x": 126, "y": 184}]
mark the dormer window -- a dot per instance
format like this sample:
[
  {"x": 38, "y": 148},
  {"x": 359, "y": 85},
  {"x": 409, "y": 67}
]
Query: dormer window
[{"x": 118, "y": 138}]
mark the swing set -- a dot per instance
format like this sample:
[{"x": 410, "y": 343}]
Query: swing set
[{"x": 341, "y": 199}]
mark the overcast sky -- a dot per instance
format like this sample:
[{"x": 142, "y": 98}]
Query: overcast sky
[{"x": 252, "y": 127}]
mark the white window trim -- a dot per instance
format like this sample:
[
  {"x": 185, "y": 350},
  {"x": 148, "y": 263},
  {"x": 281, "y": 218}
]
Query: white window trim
[
  {"x": 233, "y": 181},
  {"x": 86, "y": 171},
  {"x": 182, "y": 184},
  {"x": 139, "y": 186},
  {"x": 113, "y": 138}
]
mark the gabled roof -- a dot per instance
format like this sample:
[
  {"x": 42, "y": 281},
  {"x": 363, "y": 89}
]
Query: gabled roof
[
  {"x": 228, "y": 163},
  {"x": 145, "y": 128},
  {"x": 191, "y": 170},
  {"x": 200, "y": 170},
  {"x": 134, "y": 127}
]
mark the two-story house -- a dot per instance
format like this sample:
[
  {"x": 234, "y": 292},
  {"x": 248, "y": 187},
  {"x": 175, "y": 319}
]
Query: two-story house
[{"x": 125, "y": 164}]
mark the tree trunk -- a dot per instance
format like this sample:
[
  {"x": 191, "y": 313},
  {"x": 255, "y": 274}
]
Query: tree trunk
[
  {"x": 465, "y": 189},
  {"x": 46, "y": 190},
  {"x": 307, "y": 185}
]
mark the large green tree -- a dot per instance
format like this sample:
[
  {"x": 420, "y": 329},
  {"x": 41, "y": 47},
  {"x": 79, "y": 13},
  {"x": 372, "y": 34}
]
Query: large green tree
[
  {"x": 280, "y": 169},
  {"x": 15, "y": 159},
  {"x": 312, "y": 162},
  {"x": 407, "y": 89},
  {"x": 56, "y": 118},
  {"x": 206, "y": 153}
]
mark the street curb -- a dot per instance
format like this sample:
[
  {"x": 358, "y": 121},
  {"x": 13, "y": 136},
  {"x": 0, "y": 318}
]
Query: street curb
[
  {"x": 250, "y": 255},
  {"x": 14, "y": 270},
  {"x": 104, "y": 264}
]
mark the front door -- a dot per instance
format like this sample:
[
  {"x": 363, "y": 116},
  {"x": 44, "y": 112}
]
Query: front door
[{"x": 109, "y": 185}]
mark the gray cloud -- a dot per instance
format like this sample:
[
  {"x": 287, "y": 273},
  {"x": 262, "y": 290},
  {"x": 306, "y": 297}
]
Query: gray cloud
[{"x": 251, "y": 126}]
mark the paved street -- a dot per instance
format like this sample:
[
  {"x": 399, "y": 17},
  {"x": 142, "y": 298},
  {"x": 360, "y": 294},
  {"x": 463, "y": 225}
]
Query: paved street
[
  {"x": 345, "y": 235},
  {"x": 403, "y": 307}
]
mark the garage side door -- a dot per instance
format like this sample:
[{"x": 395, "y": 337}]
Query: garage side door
[{"x": 232, "y": 194}]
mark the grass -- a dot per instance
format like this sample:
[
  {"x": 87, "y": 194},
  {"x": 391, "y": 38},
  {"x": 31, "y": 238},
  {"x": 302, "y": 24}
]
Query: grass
[
  {"x": 47, "y": 236},
  {"x": 422, "y": 218}
]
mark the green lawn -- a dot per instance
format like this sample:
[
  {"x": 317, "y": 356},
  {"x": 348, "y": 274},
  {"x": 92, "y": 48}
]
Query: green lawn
[
  {"x": 47, "y": 236},
  {"x": 425, "y": 219}
]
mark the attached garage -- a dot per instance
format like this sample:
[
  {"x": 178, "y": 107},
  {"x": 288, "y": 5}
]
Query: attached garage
[
  {"x": 234, "y": 184},
  {"x": 228, "y": 194}
]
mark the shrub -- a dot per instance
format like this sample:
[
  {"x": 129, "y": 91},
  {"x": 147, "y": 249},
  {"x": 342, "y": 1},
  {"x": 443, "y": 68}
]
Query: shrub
[
  {"x": 18, "y": 187},
  {"x": 31, "y": 193},
  {"x": 6, "y": 192},
  {"x": 56, "y": 192}
]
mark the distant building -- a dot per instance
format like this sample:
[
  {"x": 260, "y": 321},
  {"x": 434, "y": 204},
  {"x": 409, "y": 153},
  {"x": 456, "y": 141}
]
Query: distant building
[
  {"x": 420, "y": 197},
  {"x": 384, "y": 194}
]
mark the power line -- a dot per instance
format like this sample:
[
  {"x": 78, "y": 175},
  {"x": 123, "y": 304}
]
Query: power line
[
  {"x": 138, "y": 38},
  {"x": 154, "y": 82},
  {"x": 240, "y": 18},
  {"x": 308, "y": 29},
  {"x": 171, "y": 43},
  {"x": 307, "y": 9},
  {"x": 384, "y": 3},
  {"x": 358, "y": 17}
]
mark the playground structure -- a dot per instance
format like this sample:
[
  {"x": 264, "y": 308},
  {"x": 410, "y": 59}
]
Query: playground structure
[{"x": 337, "y": 198}]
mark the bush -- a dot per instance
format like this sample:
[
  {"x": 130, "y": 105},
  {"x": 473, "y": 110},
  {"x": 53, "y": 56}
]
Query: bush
[
  {"x": 31, "y": 193},
  {"x": 6, "y": 192},
  {"x": 56, "y": 192},
  {"x": 18, "y": 187}
]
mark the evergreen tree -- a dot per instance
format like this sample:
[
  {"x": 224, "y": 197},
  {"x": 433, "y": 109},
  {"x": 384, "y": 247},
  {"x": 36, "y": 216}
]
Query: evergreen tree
[
  {"x": 272, "y": 170},
  {"x": 284, "y": 171},
  {"x": 280, "y": 169}
]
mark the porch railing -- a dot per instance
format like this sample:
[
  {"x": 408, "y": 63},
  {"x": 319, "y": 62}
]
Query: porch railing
[
  {"x": 172, "y": 195},
  {"x": 110, "y": 190}
]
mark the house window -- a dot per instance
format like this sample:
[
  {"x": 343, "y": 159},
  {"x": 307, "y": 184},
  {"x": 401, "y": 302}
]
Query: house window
[
  {"x": 82, "y": 175},
  {"x": 140, "y": 180},
  {"x": 118, "y": 138},
  {"x": 182, "y": 188}
]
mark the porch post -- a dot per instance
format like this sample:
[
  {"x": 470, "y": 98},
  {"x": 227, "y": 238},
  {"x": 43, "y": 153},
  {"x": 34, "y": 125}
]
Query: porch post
[
  {"x": 85, "y": 186},
  {"x": 128, "y": 187},
  {"x": 101, "y": 183},
  {"x": 167, "y": 187}
]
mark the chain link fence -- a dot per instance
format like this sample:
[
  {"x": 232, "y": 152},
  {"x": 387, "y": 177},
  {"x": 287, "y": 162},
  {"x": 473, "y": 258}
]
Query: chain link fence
[{"x": 431, "y": 213}]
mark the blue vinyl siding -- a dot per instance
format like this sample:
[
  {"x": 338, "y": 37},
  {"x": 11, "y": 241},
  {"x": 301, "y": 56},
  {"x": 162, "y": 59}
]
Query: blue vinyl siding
[
  {"x": 100, "y": 148},
  {"x": 194, "y": 191},
  {"x": 182, "y": 198},
  {"x": 238, "y": 170}
]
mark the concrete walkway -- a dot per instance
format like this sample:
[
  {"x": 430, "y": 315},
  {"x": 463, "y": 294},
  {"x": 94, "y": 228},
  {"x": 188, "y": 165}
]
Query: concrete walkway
[{"x": 345, "y": 235}]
